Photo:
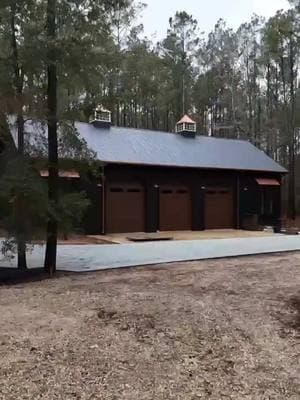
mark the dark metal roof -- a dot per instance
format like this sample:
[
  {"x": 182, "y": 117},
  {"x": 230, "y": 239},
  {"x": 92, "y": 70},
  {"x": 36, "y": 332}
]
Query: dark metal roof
[
  {"x": 145, "y": 147},
  {"x": 138, "y": 146}
]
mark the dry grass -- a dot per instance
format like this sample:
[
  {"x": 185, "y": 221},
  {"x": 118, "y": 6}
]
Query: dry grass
[{"x": 226, "y": 329}]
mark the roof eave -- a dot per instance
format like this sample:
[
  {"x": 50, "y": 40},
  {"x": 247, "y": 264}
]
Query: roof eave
[{"x": 107, "y": 162}]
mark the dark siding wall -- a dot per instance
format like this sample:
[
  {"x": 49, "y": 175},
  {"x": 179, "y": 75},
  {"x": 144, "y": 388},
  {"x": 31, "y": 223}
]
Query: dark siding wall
[
  {"x": 152, "y": 208},
  {"x": 277, "y": 203},
  {"x": 198, "y": 204},
  {"x": 254, "y": 199},
  {"x": 92, "y": 222},
  {"x": 249, "y": 197},
  {"x": 151, "y": 177},
  {"x": 245, "y": 202},
  {"x": 271, "y": 205}
]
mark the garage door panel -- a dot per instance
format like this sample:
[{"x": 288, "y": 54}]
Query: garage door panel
[
  {"x": 175, "y": 208},
  {"x": 219, "y": 208},
  {"x": 125, "y": 208}
]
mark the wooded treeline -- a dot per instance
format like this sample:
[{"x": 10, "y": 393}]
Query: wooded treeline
[{"x": 59, "y": 59}]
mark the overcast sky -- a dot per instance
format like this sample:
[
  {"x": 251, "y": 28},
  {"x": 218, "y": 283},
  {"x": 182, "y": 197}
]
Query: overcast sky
[{"x": 156, "y": 15}]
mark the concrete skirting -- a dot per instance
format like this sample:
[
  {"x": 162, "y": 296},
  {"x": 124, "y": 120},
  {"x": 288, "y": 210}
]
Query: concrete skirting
[{"x": 85, "y": 258}]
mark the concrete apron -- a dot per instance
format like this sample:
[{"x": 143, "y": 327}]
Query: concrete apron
[{"x": 83, "y": 258}]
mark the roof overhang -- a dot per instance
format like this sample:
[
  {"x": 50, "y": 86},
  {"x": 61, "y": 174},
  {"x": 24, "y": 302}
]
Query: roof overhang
[
  {"x": 195, "y": 167},
  {"x": 267, "y": 182}
]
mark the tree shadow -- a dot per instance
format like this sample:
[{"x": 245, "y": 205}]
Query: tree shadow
[
  {"x": 294, "y": 304},
  {"x": 289, "y": 317},
  {"x": 13, "y": 276}
]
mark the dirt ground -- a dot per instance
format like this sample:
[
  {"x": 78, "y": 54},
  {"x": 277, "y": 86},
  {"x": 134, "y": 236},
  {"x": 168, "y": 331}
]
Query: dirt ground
[
  {"x": 81, "y": 240},
  {"x": 226, "y": 329}
]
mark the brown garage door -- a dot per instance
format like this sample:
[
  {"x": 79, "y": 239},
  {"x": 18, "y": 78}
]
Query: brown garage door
[
  {"x": 125, "y": 208},
  {"x": 174, "y": 208},
  {"x": 219, "y": 208}
]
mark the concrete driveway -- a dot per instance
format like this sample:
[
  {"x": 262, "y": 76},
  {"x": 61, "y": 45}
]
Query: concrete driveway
[
  {"x": 186, "y": 235},
  {"x": 83, "y": 258}
]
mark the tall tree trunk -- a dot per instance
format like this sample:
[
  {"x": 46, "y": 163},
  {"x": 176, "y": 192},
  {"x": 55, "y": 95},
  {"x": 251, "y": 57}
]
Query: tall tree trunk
[
  {"x": 183, "y": 94},
  {"x": 276, "y": 108},
  {"x": 291, "y": 181},
  {"x": 270, "y": 148},
  {"x": 18, "y": 83},
  {"x": 286, "y": 108},
  {"x": 233, "y": 111},
  {"x": 51, "y": 245},
  {"x": 21, "y": 242}
]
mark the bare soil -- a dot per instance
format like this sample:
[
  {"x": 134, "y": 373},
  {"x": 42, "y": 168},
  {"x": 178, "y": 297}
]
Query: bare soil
[
  {"x": 80, "y": 240},
  {"x": 225, "y": 329}
]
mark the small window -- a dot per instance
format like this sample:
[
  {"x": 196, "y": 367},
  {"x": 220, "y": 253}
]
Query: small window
[
  {"x": 116, "y": 190},
  {"x": 103, "y": 116},
  {"x": 133, "y": 190},
  {"x": 167, "y": 191},
  {"x": 179, "y": 127},
  {"x": 190, "y": 127}
]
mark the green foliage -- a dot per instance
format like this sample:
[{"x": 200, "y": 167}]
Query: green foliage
[
  {"x": 221, "y": 80},
  {"x": 23, "y": 200},
  {"x": 24, "y": 207},
  {"x": 70, "y": 211},
  {"x": 70, "y": 145},
  {"x": 178, "y": 50}
]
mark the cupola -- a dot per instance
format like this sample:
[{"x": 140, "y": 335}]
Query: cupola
[
  {"x": 102, "y": 117},
  {"x": 186, "y": 127}
]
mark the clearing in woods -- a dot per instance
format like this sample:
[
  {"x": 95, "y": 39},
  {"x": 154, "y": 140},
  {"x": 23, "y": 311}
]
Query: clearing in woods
[{"x": 225, "y": 329}]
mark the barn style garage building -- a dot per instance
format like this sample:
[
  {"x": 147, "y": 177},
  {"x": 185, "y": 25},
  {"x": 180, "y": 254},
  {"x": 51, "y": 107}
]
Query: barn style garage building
[{"x": 158, "y": 181}]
